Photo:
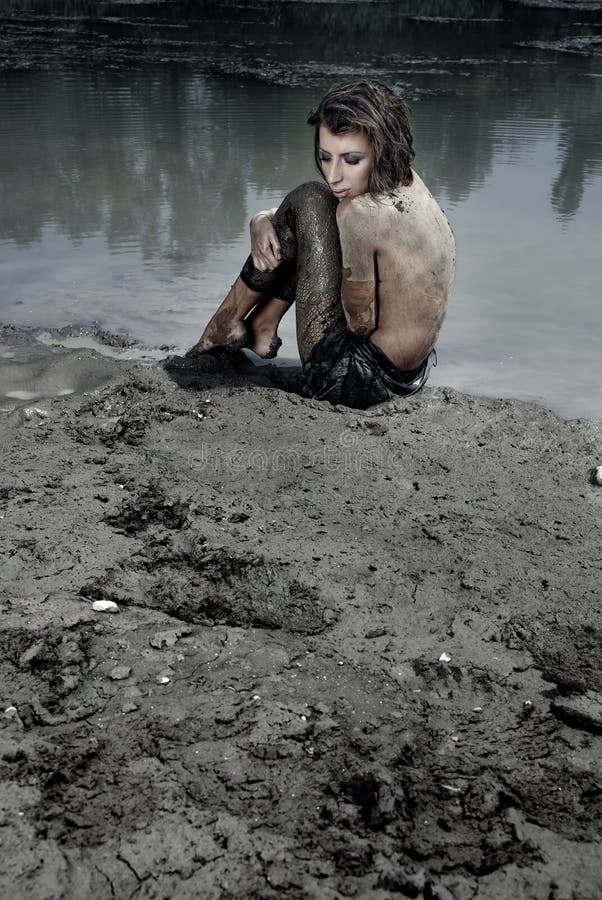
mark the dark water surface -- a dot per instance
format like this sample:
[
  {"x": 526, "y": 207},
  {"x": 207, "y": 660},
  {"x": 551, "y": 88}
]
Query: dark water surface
[{"x": 137, "y": 139}]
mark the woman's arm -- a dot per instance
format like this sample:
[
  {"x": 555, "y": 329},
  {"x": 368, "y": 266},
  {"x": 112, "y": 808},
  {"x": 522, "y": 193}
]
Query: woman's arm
[
  {"x": 265, "y": 246},
  {"x": 358, "y": 290},
  {"x": 359, "y": 304}
]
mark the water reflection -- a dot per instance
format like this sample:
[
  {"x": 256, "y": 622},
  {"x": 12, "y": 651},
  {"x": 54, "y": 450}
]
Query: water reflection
[
  {"x": 166, "y": 159},
  {"x": 132, "y": 158},
  {"x": 139, "y": 156},
  {"x": 502, "y": 109},
  {"x": 579, "y": 145}
]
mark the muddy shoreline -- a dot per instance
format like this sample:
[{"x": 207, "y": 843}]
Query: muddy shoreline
[{"x": 356, "y": 654}]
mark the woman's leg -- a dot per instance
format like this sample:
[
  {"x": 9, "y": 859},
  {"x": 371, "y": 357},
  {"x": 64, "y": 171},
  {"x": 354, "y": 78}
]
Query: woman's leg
[
  {"x": 309, "y": 275},
  {"x": 318, "y": 289},
  {"x": 310, "y": 272},
  {"x": 263, "y": 324},
  {"x": 226, "y": 327}
]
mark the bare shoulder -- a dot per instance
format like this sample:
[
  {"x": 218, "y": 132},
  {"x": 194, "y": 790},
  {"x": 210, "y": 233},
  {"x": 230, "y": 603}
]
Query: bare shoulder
[
  {"x": 362, "y": 218},
  {"x": 409, "y": 219},
  {"x": 364, "y": 208},
  {"x": 411, "y": 201},
  {"x": 357, "y": 209},
  {"x": 415, "y": 201}
]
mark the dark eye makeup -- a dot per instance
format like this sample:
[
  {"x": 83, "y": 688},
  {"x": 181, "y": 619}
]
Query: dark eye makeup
[{"x": 350, "y": 160}]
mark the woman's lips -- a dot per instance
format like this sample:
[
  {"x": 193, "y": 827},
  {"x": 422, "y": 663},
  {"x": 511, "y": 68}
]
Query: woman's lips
[{"x": 340, "y": 193}]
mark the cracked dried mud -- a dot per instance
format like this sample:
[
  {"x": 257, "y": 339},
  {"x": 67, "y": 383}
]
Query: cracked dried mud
[{"x": 356, "y": 654}]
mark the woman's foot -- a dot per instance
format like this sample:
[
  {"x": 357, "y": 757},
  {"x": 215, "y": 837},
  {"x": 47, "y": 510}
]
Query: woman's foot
[
  {"x": 223, "y": 332},
  {"x": 264, "y": 342},
  {"x": 263, "y": 325},
  {"x": 227, "y": 330}
]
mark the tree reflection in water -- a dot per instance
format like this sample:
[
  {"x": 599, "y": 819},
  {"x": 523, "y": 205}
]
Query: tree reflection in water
[{"x": 164, "y": 157}]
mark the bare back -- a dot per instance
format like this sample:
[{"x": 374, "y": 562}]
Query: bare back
[{"x": 398, "y": 267}]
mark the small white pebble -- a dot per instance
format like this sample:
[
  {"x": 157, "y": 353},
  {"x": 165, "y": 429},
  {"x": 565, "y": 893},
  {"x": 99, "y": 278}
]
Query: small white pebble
[
  {"x": 304, "y": 718},
  {"x": 445, "y": 657},
  {"x": 597, "y": 475},
  {"x": 455, "y": 738},
  {"x": 256, "y": 697},
  {"x": 451, "y": 789},
  {"x": 105, "y": 606},
  {"x": 477, "y": 709},
  {"x": 340, "y": 663},
  {"x": 163, "y": 679}
]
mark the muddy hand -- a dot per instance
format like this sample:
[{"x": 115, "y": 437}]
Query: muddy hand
[{"x": 265, "y": 246}]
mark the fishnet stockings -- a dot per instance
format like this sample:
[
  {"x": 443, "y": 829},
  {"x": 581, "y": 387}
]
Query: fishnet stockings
[{"x": 310, "y": 271}]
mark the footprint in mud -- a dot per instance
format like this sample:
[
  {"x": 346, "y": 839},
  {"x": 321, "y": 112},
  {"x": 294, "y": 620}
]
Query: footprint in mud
[
  {"x": 199, "y": 585},
  {"x": 568, "y": 655},
  {"x": 444, "y": 681},
  {"x": 182, "y": 577},
  {"x": 150, "y": 507},
  {"x": 40, "y": 669}
]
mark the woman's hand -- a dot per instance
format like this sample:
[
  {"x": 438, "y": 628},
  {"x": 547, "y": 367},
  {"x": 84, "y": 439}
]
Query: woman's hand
[{"x": 265, "y": 246}]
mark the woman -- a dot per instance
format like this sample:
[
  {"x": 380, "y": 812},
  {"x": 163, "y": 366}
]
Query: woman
[{"x": 367, "y": 258}]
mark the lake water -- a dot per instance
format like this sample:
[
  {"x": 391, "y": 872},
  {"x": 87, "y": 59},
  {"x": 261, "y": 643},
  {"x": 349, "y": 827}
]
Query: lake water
[{"x": 138, "y": 139}]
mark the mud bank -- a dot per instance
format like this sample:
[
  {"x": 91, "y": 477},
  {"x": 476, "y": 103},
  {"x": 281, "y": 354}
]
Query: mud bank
[{"x": 355, "y": 654}]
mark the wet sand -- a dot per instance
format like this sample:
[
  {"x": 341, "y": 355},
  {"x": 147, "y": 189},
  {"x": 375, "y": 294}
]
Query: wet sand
[{"x": 356, "y": 654}]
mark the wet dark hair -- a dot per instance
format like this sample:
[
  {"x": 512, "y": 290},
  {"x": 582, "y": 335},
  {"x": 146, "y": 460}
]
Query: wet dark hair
[{"x": 374, "y": 109}]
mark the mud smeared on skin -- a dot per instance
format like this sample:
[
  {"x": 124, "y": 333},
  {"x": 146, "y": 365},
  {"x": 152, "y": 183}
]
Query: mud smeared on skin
[
  {"x": 223, "y": 332},
  {"x": 359, "y": 303},
  {"x": 272, "y": 349}
]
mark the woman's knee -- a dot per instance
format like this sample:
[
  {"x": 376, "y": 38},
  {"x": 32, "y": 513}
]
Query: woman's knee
[{"x": 312, "y": 196}]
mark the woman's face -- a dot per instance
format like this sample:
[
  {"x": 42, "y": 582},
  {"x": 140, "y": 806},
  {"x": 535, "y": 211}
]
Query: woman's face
[{"x": 347, "y": 161}]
